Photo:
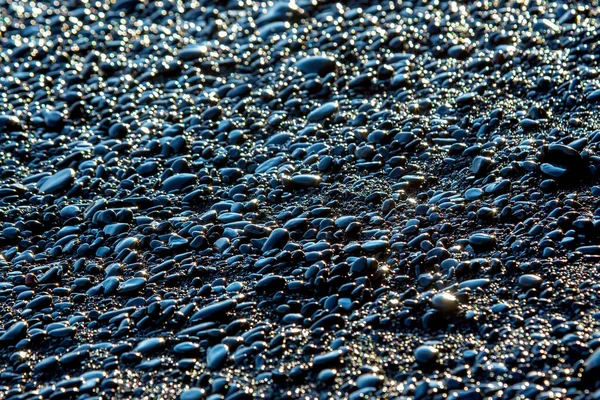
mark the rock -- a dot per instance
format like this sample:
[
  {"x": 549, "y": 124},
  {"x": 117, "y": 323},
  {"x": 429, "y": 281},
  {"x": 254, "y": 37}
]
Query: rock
[
  {"x": 473, "y": 194},
  {"x": 16, "y": 332},
  {"x": 132, "y": 286},
  {"x": 178, "y": 182},
  {"x": 270, "y": 284},
  {"x": 316, "y": 65},
  {"x": 323, "y": 112},
  {"x": 426, "y": 354},
  {"x": 217, "y": 356},
  {"x": 150, "y": 346},
  {"x": 553, "y": 171},
  {"x": 445, "y": 302},
  {"x": 369, "y": 380},
  {"x": 375, "y": 246},
  {"x": 10, "y": 123},
  {"x": 40, "y": 302},
  {"x": 482, "y": 241},
  {"x": 474, "y": 283},
  {"x": 193, "y": 394},
  {"x": 214, "y": 311},
  {"x": 530, "y": 281},
  {"x": 48, "y": 364},
  {"x": 304, "y": 181},
  {"x": 327, "y": 359},
  {"x": 481, "y": 165},
  {"x": 277, "y": 239},
  {"x": 59, "y": 182},
  {"x": 592, "y": 366},
  {"x": 192, "y": 52}
]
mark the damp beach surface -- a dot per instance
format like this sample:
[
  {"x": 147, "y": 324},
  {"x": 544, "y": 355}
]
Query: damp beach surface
[{"x": 243, "y": 199}]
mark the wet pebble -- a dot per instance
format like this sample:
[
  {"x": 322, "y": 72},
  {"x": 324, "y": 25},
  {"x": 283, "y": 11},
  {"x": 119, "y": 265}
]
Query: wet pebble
[
  {"x": 58, "y": 182},
  {"x": 217, "y": 356}
]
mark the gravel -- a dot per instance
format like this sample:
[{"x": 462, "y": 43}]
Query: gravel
[{"x": 241, "y": 199}]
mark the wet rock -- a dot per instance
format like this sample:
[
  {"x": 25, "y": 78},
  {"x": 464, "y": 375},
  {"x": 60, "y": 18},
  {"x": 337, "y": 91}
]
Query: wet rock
[
  {"x": 192, "y": 52},
  {"x": 445, "y": 302},
  {"x": 59, "y": 182},
  {"x": 304, "y": 181},
  {"x": 316, "y": 65},
  {"x": 149, "y": 346},
  {"x": 178, "y": 182},
  {"x": 271, "y": 283},
  {"x": 323, "y": 112},
  {"x": 426, "y": 354},
  {"x": 369, "y": 380},
  {"x": 14, "y": 333},
  {"x": 132, "y": 286},
  {"x": 481, "y": 165},
  {"x": 482, "y": 241},
  {"x": 530, "y": 281},
  {"x": 214, "y": 311},
  {"x": 327, "y": 359},
  {"x": 10, "y": 123},
  {"x": 47, "y": 365},
  {"x": 192, "y": 394},
  {"x": 277, "y": 239},
  {"x": 217, "y": 356}
]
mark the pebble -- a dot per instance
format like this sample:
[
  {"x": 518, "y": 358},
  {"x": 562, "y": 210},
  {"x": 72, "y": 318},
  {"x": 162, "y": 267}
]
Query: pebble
[
  {"x": 482, "y": 241},
  {"x": 426, "y": 354},
  {"x": 592, "y": 364},
  {"x": 193, "y": 394},
  {"x": 149, "y": 346},
  {"x": 320, "y": 65},
  {"x": 305, "y": 181},
  {"x": 14, "y": 333},
  {"x": 530, "y": 281},
  {"x": 445, "y": 302},
  {"x": 214, "y": 311},
  {"x": 277, "y": 240},
  {"x": 217, "y": 356},
  {"x": 271, "y": 283},
  {"x": 473, "y": 194},
  {"x": 132, "y": 286},
  {"x": 323, "y": 112},
  {"x": 369, "y": 380},
  {"x": 178, "y": 182},
  {"x": 59, "y": 182}
]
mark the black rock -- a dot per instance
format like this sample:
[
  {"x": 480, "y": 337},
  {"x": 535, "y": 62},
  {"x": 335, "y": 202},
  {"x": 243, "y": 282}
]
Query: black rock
[
  {"x": 270, "y": 284},
  {"x": 149, "y": 346},
  {"x": 214, "y": 311},
  {"x": 304, "y": 181},
  {"x": 59, "y": 182},
  {"x": 10, "y": 123},
  {"x": 217, "y": 356},
  {"x": 426, "y": 354},
  {"x": 277, "y": 239},
  {"x": 327, "y": 359},
  {"x": 323, "y": 112},
  {"x": 192, "y": 52},
  {"x": 132, "y": 286},
  {"x": 481, "y": 165},
  {"x": 317, "y": 65},
  {"x": 530, "y": 281},
  {"x": 482, "y": 241},
  {"x": 179, "y": 181},
  {"x": 16, "y": 332},
  {"x": 445, "y": 302}
]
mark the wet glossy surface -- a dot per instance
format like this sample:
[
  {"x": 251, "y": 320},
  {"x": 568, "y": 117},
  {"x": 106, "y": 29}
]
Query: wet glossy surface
[{"x": 241, "y": 199}]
